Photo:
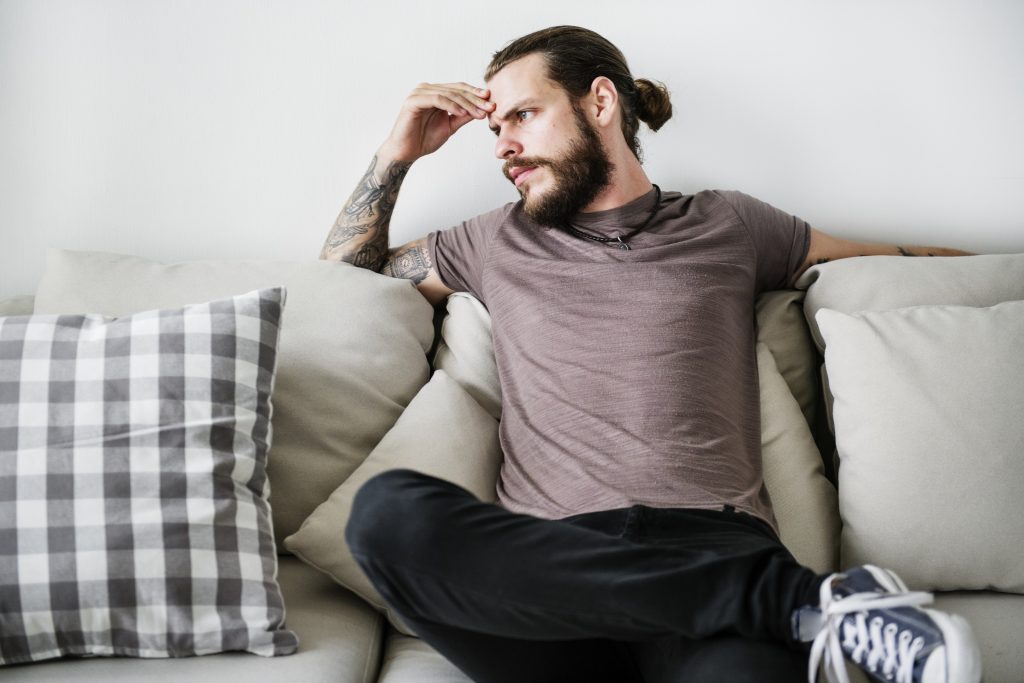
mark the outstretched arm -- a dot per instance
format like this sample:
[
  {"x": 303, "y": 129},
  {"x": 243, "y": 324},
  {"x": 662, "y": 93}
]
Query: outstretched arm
[{"x": 825, "y": 248}]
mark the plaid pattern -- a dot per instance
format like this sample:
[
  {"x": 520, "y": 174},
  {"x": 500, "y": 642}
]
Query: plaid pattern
[{"x": 133, "y": 493}]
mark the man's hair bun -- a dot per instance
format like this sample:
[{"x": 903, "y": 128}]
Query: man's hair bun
[{"x": 654, "y": 107}]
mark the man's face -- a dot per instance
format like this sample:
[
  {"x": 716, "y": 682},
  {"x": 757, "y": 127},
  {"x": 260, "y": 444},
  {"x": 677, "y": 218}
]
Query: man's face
[{"x": 552, "y": 154}]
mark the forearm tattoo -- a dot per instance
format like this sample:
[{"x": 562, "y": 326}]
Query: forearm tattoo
[
  {"x": 904, "y": 251},
  {"x": 360, "y": 234}
]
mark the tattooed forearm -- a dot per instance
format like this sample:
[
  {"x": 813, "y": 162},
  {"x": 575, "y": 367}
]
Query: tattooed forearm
[
  {"x": 412, "y": 263},
  {"x": 931, "y": 251},
  {"x": 360, "y": 233}
]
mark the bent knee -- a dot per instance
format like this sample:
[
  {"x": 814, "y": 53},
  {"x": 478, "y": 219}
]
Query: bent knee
[{"x": 390, "y": 510}]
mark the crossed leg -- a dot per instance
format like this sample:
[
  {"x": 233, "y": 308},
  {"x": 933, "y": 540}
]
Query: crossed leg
[{"x": 510, "y": 597}]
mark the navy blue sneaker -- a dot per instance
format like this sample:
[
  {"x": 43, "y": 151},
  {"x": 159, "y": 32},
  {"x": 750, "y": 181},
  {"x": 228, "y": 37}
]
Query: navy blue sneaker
[{"x": 869, "y": 618}]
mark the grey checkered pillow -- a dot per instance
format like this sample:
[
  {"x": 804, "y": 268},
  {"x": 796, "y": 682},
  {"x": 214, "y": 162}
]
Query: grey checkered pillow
[{"x": 134, "y": 517}]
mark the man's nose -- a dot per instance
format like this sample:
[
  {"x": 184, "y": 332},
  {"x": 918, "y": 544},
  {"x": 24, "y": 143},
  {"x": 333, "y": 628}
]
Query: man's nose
[{"x": 507, "y": 146}]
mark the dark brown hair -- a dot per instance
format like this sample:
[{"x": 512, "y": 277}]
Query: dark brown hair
[{"x": 575, "y": 57}]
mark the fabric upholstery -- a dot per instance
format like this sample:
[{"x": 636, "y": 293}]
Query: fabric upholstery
[
  {"x": 444, "y": 433},
  {"x": 781, "y": 327},
  {"x": 18, "y": 305},
  {"x": 133, "y": 489},
  {"x": 878, "y": 283},
  {"x": 927, "y": 407},
  {"x": 352, "y": 354}
]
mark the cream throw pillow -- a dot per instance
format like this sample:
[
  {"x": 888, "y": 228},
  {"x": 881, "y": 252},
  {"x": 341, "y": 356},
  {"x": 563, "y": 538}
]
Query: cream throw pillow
[
  {"x": 927, "y": 409},
  {"x": 804, "y": 501},
  {"x": 444, "y": 433},
  {"x": 352, "y": 352}
]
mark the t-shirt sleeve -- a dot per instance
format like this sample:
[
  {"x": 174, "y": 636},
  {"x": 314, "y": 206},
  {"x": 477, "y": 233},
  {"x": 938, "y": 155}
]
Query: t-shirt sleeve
[
  {"x": 780, "y": 240},
  {"x": 459, "y": 253}
]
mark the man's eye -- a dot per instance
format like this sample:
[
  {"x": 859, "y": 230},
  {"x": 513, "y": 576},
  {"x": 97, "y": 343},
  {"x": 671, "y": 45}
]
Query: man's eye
[{"x": 523, "y": 115}]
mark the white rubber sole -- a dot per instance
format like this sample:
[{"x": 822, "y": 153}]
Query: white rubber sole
[{"x": 962, "y": 661}]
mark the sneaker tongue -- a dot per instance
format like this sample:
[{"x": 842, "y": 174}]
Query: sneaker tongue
[
  {"x": 807, "y": 623},
  {"x": 856, "y": 580}
]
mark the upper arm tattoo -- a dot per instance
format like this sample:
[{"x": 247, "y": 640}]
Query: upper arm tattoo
[{"x": 411, "y": 263}]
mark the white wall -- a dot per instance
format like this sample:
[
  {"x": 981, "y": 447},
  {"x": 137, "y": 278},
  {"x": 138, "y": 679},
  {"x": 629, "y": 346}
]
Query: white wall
[{"x": 234, "y": 128}]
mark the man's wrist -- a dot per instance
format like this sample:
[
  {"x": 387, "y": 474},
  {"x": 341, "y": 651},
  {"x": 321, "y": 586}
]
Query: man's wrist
[{"x": 388, "y": 156}]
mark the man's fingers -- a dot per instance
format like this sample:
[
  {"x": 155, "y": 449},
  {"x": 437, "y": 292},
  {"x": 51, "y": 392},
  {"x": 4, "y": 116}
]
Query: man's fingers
[
  {"x": 457, "y": 99},
  {"x": 457, "y": 122}
]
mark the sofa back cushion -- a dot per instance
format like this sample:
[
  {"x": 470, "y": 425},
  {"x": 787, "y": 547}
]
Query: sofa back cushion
[
  {"x": 879, "y": 283},
  {"x": 879, "y": 294},
  {"x": 352, "y": 352}
]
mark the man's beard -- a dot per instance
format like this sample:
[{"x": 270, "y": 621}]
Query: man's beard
[{"x": 579, "y": 176}]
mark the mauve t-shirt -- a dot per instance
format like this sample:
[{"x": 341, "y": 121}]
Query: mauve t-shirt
[{"x": 628, "y": 376}]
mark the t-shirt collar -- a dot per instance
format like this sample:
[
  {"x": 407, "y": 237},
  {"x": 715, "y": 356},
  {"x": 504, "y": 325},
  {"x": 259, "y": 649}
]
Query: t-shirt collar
[{"x": 619, "y": 220}]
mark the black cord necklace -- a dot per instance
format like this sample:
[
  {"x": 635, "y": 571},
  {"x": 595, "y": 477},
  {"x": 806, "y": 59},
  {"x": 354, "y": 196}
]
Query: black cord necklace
[{"x": 619, "y": 240}]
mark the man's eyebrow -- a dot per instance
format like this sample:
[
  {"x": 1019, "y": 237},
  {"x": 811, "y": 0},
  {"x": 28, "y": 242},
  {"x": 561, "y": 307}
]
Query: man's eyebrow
[{"x": 508, "y": 112}]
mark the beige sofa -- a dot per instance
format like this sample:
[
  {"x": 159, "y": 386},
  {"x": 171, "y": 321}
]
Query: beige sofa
[{"x": 365, "y": 384}]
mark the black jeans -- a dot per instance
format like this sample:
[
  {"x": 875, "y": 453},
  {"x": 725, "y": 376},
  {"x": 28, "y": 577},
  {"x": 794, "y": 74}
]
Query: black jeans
[{"x": 626, "y": 595}]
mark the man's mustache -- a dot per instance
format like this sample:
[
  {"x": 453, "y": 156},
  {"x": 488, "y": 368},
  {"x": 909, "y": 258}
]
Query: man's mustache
[{"x": 522, "y": 161}]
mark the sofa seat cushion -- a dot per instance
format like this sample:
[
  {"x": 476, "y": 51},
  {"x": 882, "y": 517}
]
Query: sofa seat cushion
[
  {"x": 410, "y": 660},
  {"x": 996, "y": 620},
  {"x": 340, "y": 642},
  {"x": 352, "y": 352},
  {"x": 17, "y": 305}
]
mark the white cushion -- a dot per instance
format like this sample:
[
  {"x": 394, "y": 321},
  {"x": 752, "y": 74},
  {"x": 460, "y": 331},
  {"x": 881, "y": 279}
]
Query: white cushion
[
  {"x": 803, "y": 500},
  {"x": 927, "y": 409}
]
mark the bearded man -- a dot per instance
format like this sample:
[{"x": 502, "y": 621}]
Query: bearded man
[{"x": 633, "y": 539}]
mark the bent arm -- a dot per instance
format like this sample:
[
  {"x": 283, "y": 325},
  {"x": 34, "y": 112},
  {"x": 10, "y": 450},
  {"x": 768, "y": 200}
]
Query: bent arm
[
  {"x": 429, "y": 117},
  {"x": 360, "y": 233}
]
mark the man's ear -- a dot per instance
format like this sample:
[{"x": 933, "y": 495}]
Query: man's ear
[{"x": 604, "y": 101}]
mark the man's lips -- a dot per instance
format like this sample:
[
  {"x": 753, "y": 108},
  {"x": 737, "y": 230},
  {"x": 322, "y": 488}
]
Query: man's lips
[{"x": 518, "y": 174}]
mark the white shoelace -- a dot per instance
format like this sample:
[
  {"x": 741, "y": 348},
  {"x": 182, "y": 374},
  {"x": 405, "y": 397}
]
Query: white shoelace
[{"x": 877, "y": 647}]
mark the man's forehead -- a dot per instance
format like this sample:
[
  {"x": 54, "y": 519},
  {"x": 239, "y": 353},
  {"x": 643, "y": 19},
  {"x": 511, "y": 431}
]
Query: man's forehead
[{"x": 525, "y": 79}]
